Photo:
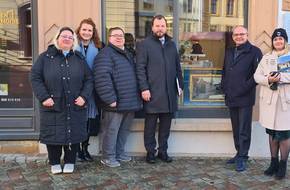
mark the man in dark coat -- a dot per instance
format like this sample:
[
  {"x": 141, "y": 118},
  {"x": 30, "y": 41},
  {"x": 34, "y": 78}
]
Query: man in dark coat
[
  {"x": 158, "y": 72},
  {"x": 239, "y": 87},
  {"x": 116, "y": 86}
]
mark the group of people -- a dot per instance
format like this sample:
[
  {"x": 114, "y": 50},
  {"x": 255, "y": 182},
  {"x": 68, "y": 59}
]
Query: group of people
[{"x": 77, "y": 76}]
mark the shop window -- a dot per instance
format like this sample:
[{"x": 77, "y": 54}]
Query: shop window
[
  {"x": 170, "y": 6},
  {"x": 213, "y": 28},
  {"x": 202, "y": 37},
  {"x": 148, "y": 4},
  {"x": 213, "y": 7},
  {"x": 187, "y": 6},
  {"x": 229, "y": 28},
  {"x": 230, "y": 7},
  {"x": 15, "y": 54}
]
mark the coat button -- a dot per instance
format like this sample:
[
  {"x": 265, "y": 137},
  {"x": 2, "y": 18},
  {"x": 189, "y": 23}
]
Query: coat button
[
  {"x": 68, "y": 78},
  {"x": 68, "y": 118},
  {"x": 63, "y": 78},
  {"x": 61, "y": 65},
  {"x": 68, "y": 91},
  {"x": 69, "y": 130}
]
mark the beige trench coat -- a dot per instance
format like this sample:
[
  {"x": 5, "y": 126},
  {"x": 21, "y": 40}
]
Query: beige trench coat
[{"x": 274, "y": 105}]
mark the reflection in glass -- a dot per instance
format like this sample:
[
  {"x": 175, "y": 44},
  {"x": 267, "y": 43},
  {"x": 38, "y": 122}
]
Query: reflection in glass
[
  {"x": 15, "y": 54},
  {"x": 202, "y": 49},
  {"x": 135, "y": 16},
  {"x": 203, "y": 35}
]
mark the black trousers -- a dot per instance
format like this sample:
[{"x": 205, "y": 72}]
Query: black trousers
[
  {"x": 163, "y": 131},
  {"x": 241, "y": 119},
  {"x": 55, "y": 151}
]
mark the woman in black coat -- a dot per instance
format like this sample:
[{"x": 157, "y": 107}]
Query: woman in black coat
[{"x": 62, "y": 82}]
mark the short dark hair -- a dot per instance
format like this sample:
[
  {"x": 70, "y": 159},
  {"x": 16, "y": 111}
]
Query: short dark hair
[
  {"x": 115, "y": 28},
  {"x": 159, "y": 17}
]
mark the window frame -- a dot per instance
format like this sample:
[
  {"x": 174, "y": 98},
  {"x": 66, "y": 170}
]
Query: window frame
[{"x": 220, "y": 112}]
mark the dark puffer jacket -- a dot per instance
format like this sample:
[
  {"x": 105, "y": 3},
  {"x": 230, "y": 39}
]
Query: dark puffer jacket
[
  {"x": 63, "y": 79},
  {"x": 115, "y": 80}
]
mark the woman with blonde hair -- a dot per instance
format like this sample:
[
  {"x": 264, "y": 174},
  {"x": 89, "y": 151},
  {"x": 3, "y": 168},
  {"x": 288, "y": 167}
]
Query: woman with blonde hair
[
  {"x": 62, "y": 82},
  {"x": 274, "y": 78}
]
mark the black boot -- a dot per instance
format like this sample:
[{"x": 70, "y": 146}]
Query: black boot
[
  {"x": 87, "y": 155},
  {"x": 81, "y": 156},
  {"x": 273, "y": 168},
  {"x": 282, "y": 170}
]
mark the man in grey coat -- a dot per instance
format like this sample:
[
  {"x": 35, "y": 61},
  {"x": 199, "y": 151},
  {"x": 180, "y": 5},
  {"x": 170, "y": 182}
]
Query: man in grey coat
[{"x": 158, "y": 72}]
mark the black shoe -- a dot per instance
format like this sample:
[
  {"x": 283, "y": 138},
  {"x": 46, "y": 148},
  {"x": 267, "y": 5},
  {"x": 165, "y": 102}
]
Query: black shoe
[
  {"x": 241, "y": 165},
  {"x": 232, "y": 160},
  {"x": 150, "y": 158},
  {"x": 281, "y": 170},
  {"x": 273, "y": 168},
  {"x": 80, "y": 156},
  {"x": 164, "y": 157},
  {"x": 87, "y": 155}
]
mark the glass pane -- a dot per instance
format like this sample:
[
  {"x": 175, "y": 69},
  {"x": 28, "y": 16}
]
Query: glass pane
[
  {"x": 135, "y": 16},
  {"x": 15, "y": 54},
  {"x": 203, "y": 37}
]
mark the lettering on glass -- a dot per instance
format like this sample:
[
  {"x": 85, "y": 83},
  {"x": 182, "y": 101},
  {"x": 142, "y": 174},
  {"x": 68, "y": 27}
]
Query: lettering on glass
[
  {"x": 286, "y": 5},
  {"x": 9, "y": 17}
]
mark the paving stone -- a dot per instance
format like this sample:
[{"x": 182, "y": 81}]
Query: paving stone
[{"x": 183, "y": 174}]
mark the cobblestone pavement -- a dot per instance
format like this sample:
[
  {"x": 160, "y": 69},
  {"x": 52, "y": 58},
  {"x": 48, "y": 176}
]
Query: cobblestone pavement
[{"x": 33, "y": 172}]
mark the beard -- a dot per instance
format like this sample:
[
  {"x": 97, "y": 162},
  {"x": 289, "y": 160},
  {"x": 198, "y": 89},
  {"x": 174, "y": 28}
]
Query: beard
[{"x": 159, "y": 34}]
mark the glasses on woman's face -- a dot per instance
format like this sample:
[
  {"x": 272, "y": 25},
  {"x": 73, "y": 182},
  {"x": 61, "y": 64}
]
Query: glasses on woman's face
[{"x": 67, "y": 37}]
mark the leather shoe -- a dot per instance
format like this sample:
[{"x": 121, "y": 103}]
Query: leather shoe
[
  {"x": 150, "y": 158},
  {"x": 164, "y": 157},
  {"x": 241, "y": 165},
  {"x": 232, "y": 160}
]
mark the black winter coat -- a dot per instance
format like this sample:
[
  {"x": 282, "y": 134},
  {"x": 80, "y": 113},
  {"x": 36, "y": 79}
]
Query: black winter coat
[
  {"x": 63, "y": 79},
  {"x": 158, "y": 66},
  {"x": 115, "y": 80},
  {"x": 238, "y": 81}
]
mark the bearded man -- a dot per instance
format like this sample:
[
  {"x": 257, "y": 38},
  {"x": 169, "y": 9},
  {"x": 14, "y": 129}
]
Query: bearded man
[{"x": 158, "y": 72}]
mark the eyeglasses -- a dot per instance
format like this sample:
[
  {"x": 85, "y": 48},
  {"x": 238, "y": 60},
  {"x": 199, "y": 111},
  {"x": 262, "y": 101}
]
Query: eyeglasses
[
  {"x": 239, "y": 34},
  {"x": 67, "y": 37},
  {"x": 117, "y": 35}
]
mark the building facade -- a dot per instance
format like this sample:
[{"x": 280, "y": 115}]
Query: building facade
[{"x": 201, "y": 30}]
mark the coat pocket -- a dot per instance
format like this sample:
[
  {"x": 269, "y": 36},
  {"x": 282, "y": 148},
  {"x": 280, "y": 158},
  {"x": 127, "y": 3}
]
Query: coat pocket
[{"x": 58, "y": 105}]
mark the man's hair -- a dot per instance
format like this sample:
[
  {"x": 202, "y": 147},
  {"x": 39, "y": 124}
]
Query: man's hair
[
  {"x": 239, "y": 26},
  {"x": 158, "y": 17},
  {"x": 115, "y": 28}
]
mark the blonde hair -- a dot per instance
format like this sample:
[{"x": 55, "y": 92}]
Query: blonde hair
[{"x": 75, "y": 40}]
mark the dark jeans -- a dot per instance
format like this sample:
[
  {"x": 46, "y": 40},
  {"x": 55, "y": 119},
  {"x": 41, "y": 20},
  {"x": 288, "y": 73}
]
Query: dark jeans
[
  {"x": 241, "y": 119},
  {"x": 163, "y": 131},
  {"x": 55, "y": 151}
]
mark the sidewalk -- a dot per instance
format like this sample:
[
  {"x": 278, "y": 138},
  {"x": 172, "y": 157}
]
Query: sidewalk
[{"x": 33, "y": 172}]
